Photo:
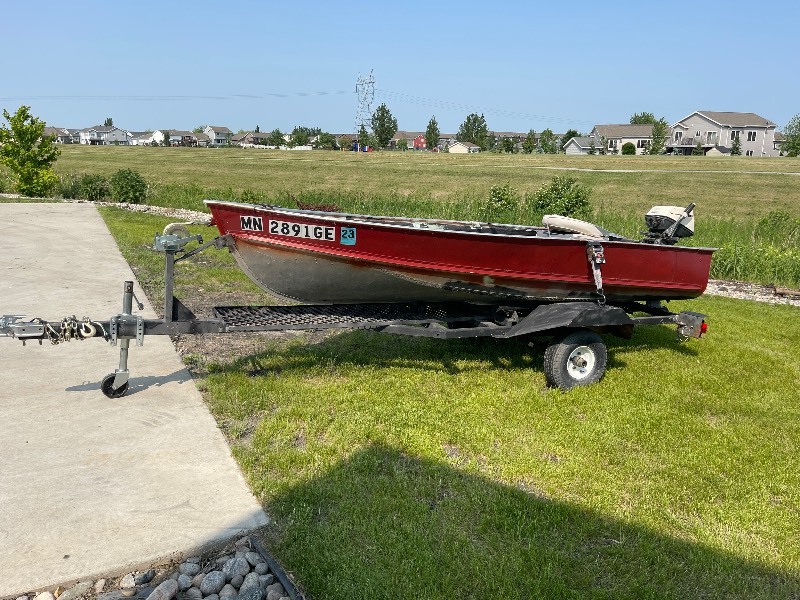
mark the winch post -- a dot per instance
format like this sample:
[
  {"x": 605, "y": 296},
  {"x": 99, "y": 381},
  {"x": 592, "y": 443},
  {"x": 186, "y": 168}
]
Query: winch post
[
  {"x": 169, "y": 285},
  {"x": 122, "y": 374}
]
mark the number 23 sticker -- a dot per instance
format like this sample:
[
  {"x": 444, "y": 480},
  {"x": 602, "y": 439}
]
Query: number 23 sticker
[{"x": 347, "y": 236}]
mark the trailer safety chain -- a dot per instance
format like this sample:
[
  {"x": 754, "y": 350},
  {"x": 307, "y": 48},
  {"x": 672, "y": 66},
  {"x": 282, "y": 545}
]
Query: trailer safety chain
[
  {"x": 70, "y": 329},
  {"x": 596, "y": 256}
]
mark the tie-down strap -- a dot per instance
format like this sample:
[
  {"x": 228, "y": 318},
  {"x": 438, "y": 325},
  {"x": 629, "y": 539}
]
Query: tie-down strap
[{"x": 596, "y": 256}]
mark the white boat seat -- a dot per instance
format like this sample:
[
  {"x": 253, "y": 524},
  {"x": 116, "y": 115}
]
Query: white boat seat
[{"x": 560, "y": 224}]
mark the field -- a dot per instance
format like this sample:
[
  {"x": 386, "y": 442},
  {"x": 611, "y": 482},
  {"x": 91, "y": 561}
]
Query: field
[
  {"x": 431, "y": 180},
  {"x": 400, "y": 467}
]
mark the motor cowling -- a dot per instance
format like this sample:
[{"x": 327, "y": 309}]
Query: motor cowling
[{"x": 667, "y": 224}]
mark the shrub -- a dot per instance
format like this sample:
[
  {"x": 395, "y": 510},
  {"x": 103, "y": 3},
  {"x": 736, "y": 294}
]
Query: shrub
[
  {"x": 628, "y": 149},
  {"x": 69, "y": 186},
  {"x": 93, "y": 187},
  {"x": 562, "y": 196},
  {"x": 128, "y": 185},
  {"x": 502, "y": 197}
]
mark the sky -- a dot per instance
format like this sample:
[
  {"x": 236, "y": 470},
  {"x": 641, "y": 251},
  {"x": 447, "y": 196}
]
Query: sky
[{"x": 522, "y": 64}]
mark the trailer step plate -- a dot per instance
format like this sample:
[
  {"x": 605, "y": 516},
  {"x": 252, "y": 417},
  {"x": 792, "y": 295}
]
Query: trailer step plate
[{"x": 353, "y": 316}]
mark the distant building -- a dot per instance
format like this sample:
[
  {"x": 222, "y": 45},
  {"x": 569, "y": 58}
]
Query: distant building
[
  {"x": 218, "y": 136},
  {"x": 710, "y": 129},
  {"x": 463, "y": 148}
]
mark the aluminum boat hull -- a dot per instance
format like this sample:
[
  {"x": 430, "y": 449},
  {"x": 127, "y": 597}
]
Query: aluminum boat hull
[{"x": 323, "y": 257}]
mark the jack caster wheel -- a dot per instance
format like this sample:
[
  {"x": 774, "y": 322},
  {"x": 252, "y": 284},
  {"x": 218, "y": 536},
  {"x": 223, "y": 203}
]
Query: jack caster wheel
[
  {"x": 577, "y": 358},
  {"x": 107, "y": 386}
]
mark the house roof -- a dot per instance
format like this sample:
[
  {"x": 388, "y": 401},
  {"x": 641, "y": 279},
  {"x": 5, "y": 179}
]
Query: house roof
[
  {"x": 734, "y": 119},
  {"x": 202, "y": 137},
  {"x": 144, "y": 134},
  {"x": 624, "y": 131},
  {"x": 218, "y": 129},
  {"x": 409, "y": 135},
  {"x": 465, "y": 144},
  {"x": 582, "y": 141},
  {"x": 779, "y": 136}
]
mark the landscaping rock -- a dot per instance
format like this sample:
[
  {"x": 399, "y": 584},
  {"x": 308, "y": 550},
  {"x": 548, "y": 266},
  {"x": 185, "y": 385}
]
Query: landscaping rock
[
  {"x": 251, "y": 581},
  {"x": 237, "y": 581},
  {"x": 213, "y": 582},
  {"x": 184, "y": 582},
  {"x": 145, "y": 577},
  {"x": 253, "y": 558},
  {"x": 227, "y": 592},
  {"x": 236, "y": 566},
  {"x": 193, "y": 593},
  {"x": 251, "y": 594},
  {"x": 165, "y": 591},
  {"x": 190, "y": 569},
  {"x": 261, "y": 568},
  {"x": 76, "y": 591}
]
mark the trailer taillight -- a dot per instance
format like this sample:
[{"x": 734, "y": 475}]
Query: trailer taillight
[{"x": 703, "y": 328}]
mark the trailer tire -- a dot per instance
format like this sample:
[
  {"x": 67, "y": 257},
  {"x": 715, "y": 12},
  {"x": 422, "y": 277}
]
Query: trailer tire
[
  {"x": 107, "y": 387},
  {"x": 575, "y": 359}
]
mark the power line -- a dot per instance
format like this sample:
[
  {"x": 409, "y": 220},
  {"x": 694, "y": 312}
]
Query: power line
[{"x": 449, "y": 105}]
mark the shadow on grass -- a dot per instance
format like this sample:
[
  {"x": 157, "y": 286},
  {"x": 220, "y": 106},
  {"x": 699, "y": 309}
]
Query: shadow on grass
[
  {"x": 383, "y": 524},
  {"x": 367, "y": 348}
]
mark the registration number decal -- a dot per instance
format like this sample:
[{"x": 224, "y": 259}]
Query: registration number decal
[{"x": 301, "y": 230}]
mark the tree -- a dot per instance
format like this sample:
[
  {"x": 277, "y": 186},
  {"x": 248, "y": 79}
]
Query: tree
[
  {"x": 628, "y": 149},
  {"x": 325, "y": 141},
  {"x": 508, "y": 145},
  {"x": 363, "y": 137},
  {"x": 109, "y": 122},
  {"x": 300, "y": 136},
  {"x": 474, "y": 130},
  {"x": 736, "y": 146},
  {"x": 431, "y": 134},
  {"x": 165, "y": 141},
  {"x": 384, "y": 125},
  {"x": 402, "y": 144},
  {"x": 258, "y": 130},
  {"x": 791, "y": 136},
  {"x": 548, "y": 142},
  {"x": 698, "y": 149},
  {"x": 644, "y": 118},
  {"x": 659, "y": 137},
  {"x": 571, "y": 133},
  {"x": 529, "y": 145},
  {"x": 275, "y": 138},
  {"x": 592, "y": 148},
  {"x": 27, "y": 153}
]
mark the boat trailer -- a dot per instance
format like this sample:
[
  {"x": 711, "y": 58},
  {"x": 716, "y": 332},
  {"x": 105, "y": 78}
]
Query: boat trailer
[{"x": 576, "y": 356}]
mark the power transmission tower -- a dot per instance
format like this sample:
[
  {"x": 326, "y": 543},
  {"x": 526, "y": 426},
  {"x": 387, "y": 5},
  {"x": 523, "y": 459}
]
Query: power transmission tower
[{"x": 365, "y": 90}]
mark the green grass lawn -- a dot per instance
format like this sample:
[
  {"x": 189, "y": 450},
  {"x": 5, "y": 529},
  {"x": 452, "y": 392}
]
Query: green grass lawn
[
  {"x": 400, "y": 467},
  {"x": 448, "y": 178}
]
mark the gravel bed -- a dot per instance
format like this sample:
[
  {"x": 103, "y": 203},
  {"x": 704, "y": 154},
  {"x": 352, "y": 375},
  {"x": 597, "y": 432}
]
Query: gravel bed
[{"x": 240, "y": 571}]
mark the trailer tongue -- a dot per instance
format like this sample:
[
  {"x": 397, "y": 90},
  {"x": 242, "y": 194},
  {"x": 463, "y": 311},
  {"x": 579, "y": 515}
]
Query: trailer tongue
[{"x": 576, "y": 355}]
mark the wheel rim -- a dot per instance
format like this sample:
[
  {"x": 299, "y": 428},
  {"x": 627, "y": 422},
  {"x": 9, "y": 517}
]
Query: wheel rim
[{"x": 581, "y": 362}]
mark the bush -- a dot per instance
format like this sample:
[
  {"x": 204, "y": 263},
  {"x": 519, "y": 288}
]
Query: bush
[
  {"x": 502, "y": 197},
  {"x": 562, "y": 196},
  {"x": 628, "y": 149},
  {"x": 128, "y": 185},
  {"x": 69, "y": 186},
  {"x": 93, "y": 187}
]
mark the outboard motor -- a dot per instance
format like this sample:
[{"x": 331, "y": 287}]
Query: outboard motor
[{"x": 667, "y": 224}]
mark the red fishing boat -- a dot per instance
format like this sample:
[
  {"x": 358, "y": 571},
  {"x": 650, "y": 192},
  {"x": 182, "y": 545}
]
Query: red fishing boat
[{"x": 328, "y": 257}]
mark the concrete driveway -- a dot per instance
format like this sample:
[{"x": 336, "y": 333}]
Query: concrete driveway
[{"x": 91, "y": 486}]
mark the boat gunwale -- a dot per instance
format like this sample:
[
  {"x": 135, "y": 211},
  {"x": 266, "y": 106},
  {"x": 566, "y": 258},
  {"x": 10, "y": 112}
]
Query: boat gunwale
[{"x": 337, "y": 217}]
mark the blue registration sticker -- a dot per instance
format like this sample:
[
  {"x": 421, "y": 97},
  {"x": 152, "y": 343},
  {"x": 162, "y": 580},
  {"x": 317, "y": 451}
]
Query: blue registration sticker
[{"x": 347, "y": 237}]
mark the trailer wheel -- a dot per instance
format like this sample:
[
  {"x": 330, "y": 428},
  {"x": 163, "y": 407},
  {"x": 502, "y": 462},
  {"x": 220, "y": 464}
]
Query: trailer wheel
[
  {"x": 107, "y": 386},
  {"x": 577, "y": 358}
]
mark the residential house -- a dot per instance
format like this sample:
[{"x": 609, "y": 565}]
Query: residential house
[
  {"x": 409, "y": 137},
  {"x": 104, "y": 135},
  {"x": 218, "y": 136},
  {"x": 250, "y": 139},
  {"x": 202, "y": 139},
  {"x": 581, "y": 145},
  {"x": 445, "y": 139},
  {"x": 143, "y": 139},
  {"x": 711, "y": 129},
  {"x": 463, "y": 148},
  {"x": 61, "y": 135},
  {"x": 616, "y": 136}
]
